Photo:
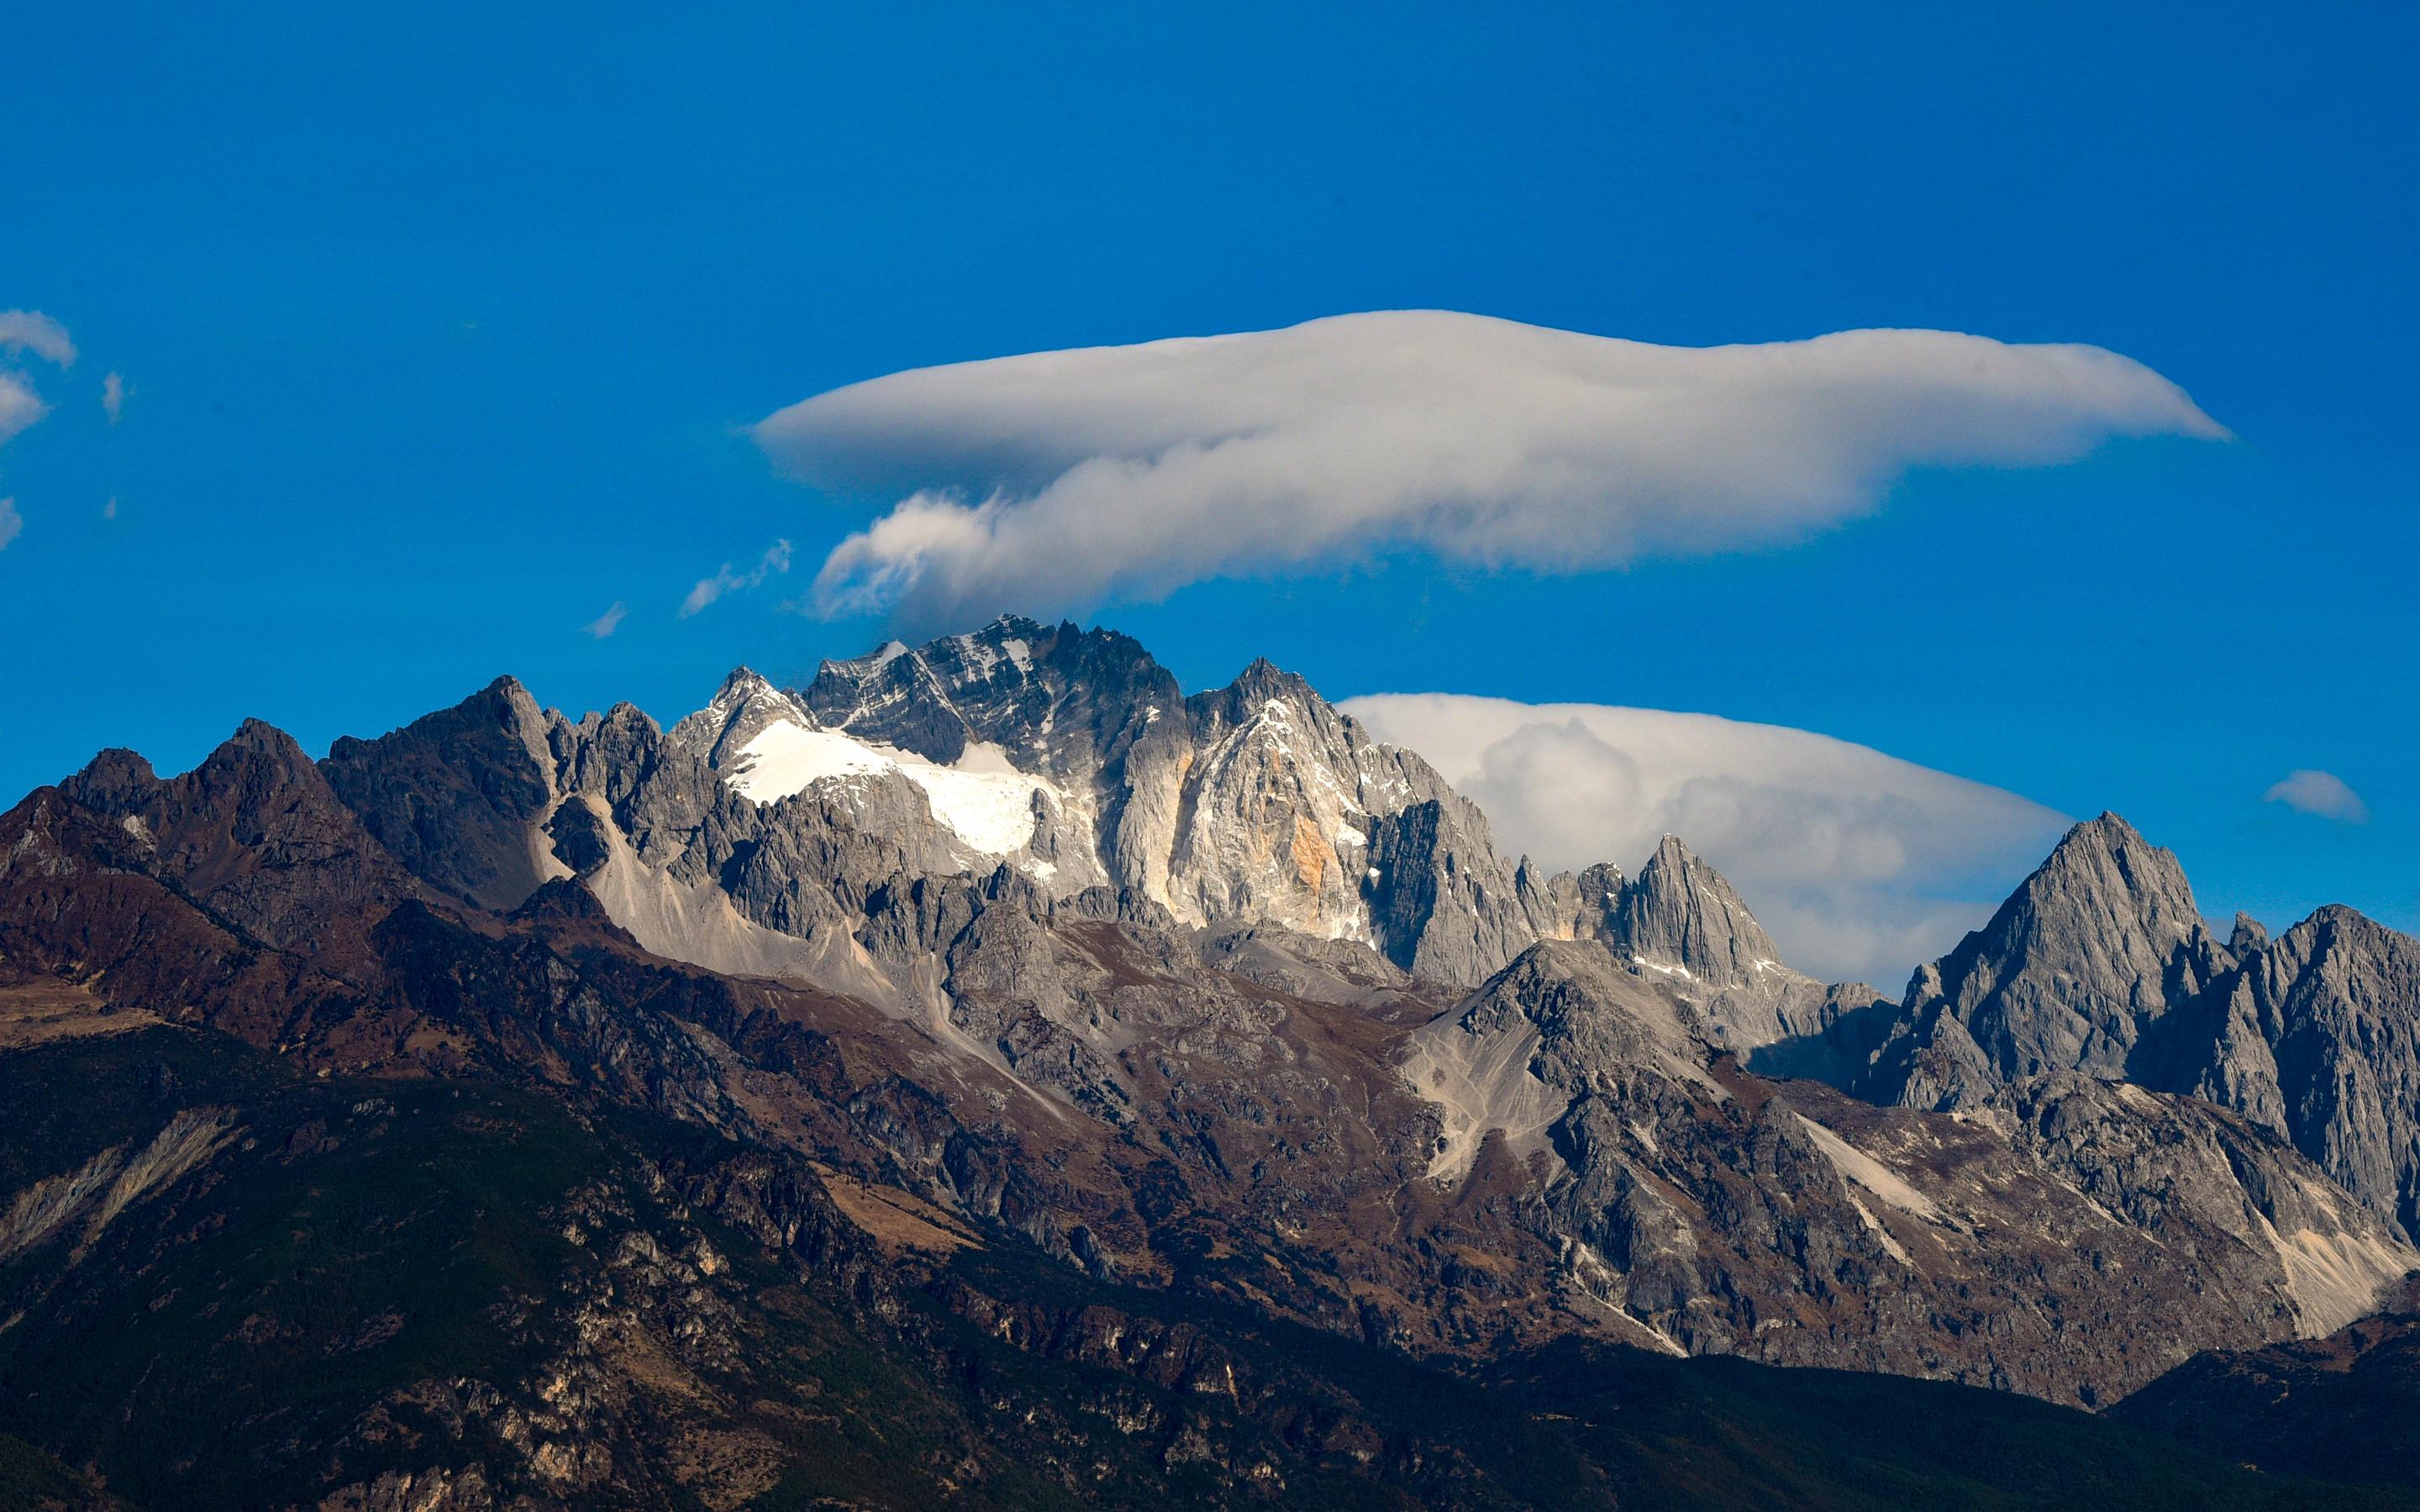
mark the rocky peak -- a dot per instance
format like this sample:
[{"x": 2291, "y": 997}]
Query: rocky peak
[
  {"x": 611, "y": 754},
  {"x": 1278, "y": 705},
  {"x": 2099, "y": 964},
  {"x": 2108, "y": 856},
  {"x": 1682, "y": 917},
  {"x": 254, "y": 833},
  {"x": 1558, "y": 1019},
  {"x": 1596, "y": 902},
  {"x": 511, "y": 704},
  {"x": 2085, "y": 957},
  {"x": 2321, "y": 1040},
  {"x": 112, "y": 782},
  {"x": 256, "y": 769},
  {"x": 1255, "y": 687},
  {"x": 256, "y": 742},
  {"x": 1058, "y": 700},
  {"x": 1002, "y": 654},
  {"x": 1682, "y": 924},
  {"x": 740, "y": 710},
  {"x": 898, "y": 700},
  {"x": 741, "y": 683},
  {"x": 2110, "y": 848},
  {"x": 456, "y": 795},
  {"x": 1592, "y": 1016}
]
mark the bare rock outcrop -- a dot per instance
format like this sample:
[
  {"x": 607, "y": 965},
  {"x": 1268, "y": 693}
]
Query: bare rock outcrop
[
  {"x": 2072, "y": 973},
  {"x": 2316, "y": 1038}
]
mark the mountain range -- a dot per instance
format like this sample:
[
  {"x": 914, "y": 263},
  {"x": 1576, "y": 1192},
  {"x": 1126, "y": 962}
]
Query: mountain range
[{"x": 989, "y": 1075}]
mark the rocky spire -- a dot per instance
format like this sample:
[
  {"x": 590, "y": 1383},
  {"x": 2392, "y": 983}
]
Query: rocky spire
[
  {"x": 2319, "y": 1039},
  {"x": 1681, "y": 916},
  {"x": 740, "y": 710},
  {"x": 457, "y": 794},
  {"x": 2098, "y": 943}
]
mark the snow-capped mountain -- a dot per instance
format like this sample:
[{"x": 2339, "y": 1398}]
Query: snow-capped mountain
[
  {"x": 1072, "y": 758},
  {"x": 1004, "y": 939}
]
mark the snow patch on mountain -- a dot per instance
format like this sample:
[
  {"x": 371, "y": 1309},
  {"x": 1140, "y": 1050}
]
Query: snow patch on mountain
[
  {"x": 784, "y": 758},
  {"x": 983, "y": 799}
]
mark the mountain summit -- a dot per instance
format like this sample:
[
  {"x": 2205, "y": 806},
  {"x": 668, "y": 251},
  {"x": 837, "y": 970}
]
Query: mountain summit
[
  {"x": 1069, "y": 757},
  {"x": 2070, "y": 974}
]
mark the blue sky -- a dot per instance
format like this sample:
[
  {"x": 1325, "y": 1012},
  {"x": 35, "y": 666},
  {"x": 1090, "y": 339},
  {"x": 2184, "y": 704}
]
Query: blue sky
[{"x": 440, "y": 331}]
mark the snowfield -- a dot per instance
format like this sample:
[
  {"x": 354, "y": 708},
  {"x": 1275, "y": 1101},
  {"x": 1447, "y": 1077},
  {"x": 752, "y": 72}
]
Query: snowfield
[{"x": 983, "y": 799}]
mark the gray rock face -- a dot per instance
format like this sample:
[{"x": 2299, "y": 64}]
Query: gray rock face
[
  {"x": 2316, "y": 1038},
  {"x": 2099, "y": 964},
  {"x": 1272, "y": 807},
  {"x": 1443, "y": 905},
  {"x": 2197, "y": 1179},
  {"x": 2068, "y": 1219},
  {"x": 458, "y": 796},
  {"x": 1682, "y": 913},
  {"x": 1593, "y": 902},
  {"x": 1256, "y": 804},
  {"x": 2070, "y": 974},
  {"x": 1681, "y": 920},
  {"x": 1301, "y": 965}
]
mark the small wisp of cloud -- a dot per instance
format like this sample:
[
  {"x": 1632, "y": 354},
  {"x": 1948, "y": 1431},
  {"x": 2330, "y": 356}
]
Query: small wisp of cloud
[
  {"x": 11, "y": 523},
  {"x": 2323, "y": 793},
  {"x": 33, "y": 331},
  {"x": 20, "y": 406},
  {"x": 775, "y": 560},
  {"x": 607, "y": 622},
  {"x": 28, "y": 331},
  {"x": 112, "y": 396}
]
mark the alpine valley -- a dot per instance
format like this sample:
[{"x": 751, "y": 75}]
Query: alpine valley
[{"x": 988, "y": 1075}]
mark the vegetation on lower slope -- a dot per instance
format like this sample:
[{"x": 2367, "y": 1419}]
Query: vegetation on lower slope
[
  {"x": 2346, "y": 1407},
  {"x": 225, "y": 1286}
]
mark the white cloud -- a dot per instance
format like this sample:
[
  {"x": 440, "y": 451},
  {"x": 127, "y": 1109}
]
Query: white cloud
[
  {"x": 11, "y": 523},
  {"x": 607, "y": 622},
  {"x": 112, "y": 396},
  {"x": 1860, "y": 864},
  {"x": 775, "y": 560},
  {"x": 1050, "y": 480},
  {"x": 2318, "y": 793},
  {"x": 20, "y": 406},
  {"x": 28, "y": 331},
  {"x": 33, "y": 332}
]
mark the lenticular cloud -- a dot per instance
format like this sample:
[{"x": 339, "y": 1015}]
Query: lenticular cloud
[
  {"x": 1860, "y": 864},
  {"x": 1054, "y": 480}
]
